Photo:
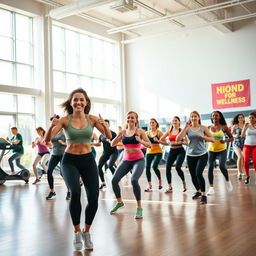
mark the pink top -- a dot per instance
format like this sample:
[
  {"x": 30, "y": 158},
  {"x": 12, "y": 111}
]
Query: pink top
[{"x": 41, "y": 148}]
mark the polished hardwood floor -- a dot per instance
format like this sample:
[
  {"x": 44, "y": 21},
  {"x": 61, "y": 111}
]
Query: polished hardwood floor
[{"x": 173, "y": 224}]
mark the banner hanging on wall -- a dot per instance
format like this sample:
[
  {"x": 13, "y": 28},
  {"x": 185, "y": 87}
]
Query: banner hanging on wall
[{"x": 231, "y": 94}]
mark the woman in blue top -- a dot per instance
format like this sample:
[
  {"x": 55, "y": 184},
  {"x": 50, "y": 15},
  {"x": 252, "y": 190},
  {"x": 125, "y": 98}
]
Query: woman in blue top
[
  {"x": 78, "y": 160},
  {"x": 197, "y": 155}
]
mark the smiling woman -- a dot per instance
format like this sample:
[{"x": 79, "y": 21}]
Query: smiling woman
[{"x": 78, "y": 160}]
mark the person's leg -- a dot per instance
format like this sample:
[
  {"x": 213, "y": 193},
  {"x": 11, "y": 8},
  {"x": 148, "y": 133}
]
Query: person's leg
[
  {"x": 17, "y": 160},
  {"x": 170, "y": 161},
  {"x": 201, "y": 163},
  {"x": 111, "y": 162},
  {"x": 239, "y": 162},
  {"x": 157, "y": 159},
  {"x": 247, "y": 153},
  {"x": 103, "y": 159},
  {"x": 149, "y": 159},
  {"x": 211, "y": 161},
  {"x": 34, "y": 165},
  {"x": 44, "y": 160},
  {"x": 53, "y": 162},
  {"x": 13, "y": 157},
  {"x": 254, "y": 157},
  {"x": 222, "y": 156},
  {"x": 179, "y": 161}
]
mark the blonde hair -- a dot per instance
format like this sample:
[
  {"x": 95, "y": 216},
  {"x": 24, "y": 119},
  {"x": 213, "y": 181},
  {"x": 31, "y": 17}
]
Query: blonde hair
[
  {"x": 136, "y": 116},
  {"x": 195, "y": 112}
]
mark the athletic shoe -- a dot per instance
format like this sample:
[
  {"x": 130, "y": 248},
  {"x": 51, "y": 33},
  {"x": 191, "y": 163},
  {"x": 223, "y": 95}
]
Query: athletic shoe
[
  {"x": 77, "y": 242},
  {"x": 116, "y": 207},
  {"x": 211, "y": 191},
  {"x": 239, "y": 176},
  {"x": 229, "y": 186},
  {"x": 148, "y": 189},
  {"x": 138, "y": 214},
  {"x": 160, "y": 187},
  {"x": 247, "y": 180},
  {"x": 102, "y": 186},
  {"x": 203, "y": 200},
  {"x": 51, "y": 196},
  {"x": 36, "y": 181},
  {"x": 168, "y": 190},
  {"x": 196, "y": 195},
  {"x": 68, "y": 196},
  {"x": 87, "y": 240}
]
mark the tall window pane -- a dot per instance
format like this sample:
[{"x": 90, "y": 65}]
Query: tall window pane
[
  {"x": 6, "y": 19},
  {"x": 24, "y": 75},
  {"x": 7, "y": 103},
  {"x": 6, "y": 52},
  {"x": 6, "y": 73}
]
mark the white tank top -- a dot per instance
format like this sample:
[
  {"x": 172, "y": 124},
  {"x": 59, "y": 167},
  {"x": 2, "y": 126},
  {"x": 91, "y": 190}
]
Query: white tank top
[{"x": 250, "y": 138}]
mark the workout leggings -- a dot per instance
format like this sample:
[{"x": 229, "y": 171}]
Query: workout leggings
[
  {"x": 178, "y": 155},
  {"x": 15, "y": 156},
  {"x": 112, "y": 157},
  {"x": 248, "y": 151},
  {"x": 212, "y": 156},
  {"x": 74, "y": 166},
  {"x": 196, "y": 165},
  {"x": 156, "y": 158},
  {"x": 137, "y": 167},
  {"x": 54, "y": 160}
]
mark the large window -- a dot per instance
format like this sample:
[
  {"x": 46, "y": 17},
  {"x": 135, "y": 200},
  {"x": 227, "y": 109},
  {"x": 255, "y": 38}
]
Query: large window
[
  {"x": 16, "y": 51},
  {"x": 13, "y": 112},
  {"x": 83, "y": 60}
]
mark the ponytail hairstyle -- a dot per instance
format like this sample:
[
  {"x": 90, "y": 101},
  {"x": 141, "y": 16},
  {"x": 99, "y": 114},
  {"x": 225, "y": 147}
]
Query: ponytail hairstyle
[
  {"x": 66, "y": 105},
  {"x": 176, "y": 117},
  {"x": 39, "y": 128}
]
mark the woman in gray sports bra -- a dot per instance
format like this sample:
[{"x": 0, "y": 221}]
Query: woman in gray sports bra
[{"x": 197, "y": 155}]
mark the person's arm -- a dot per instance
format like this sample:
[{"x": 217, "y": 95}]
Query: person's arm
[
  {"x": 56, "y": 126},
  {"x": 163, "y": 138},
  {"x": 99, "y": 123},
  {"x": 143, "y": 138},
  {"x": 245, "y": 127},
  {"x": 96, "y": 140},
  {"x": 183, "y": 132},
  {"x": 228, "y": 132},
  {"x": 116, "y": 140},
  {"x": 98, "y": 143},
  {"x": 208, "y": 136}
]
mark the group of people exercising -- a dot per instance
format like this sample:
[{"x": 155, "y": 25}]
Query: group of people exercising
[{"x": 75, "y": 152}]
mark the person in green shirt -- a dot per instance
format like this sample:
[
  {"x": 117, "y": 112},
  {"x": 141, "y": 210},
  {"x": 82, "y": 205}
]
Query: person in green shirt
[{"x": 18, "y": 150}]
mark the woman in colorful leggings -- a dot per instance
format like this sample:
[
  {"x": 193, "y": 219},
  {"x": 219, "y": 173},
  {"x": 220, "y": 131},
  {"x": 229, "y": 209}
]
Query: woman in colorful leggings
[
  {"x": 249, "y": 132},
  {"x": 176, "y": 153},
  {"x": 78, "y": 160},
  {"x": 132, "y": 138},
  {"x": 197, "y": 153},
  {"x": 154, "y": 154}
]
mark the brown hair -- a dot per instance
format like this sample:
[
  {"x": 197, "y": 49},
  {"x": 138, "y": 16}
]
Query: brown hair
[
  {"x": 195, "y": 112},
  {"x": 136, "y": 116},
  {"x": 39, "y": 128},
  {"x": 14, "y": 128},
  {"x": 253, "y": 114},
  {"x": 68, "y": 108},
  {"x": 157, "y": 124}
]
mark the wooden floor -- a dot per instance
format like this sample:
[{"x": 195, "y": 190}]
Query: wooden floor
[{"x": 173, "y": 224}]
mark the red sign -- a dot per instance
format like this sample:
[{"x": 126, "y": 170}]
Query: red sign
[{"x": 231, "y": 94}]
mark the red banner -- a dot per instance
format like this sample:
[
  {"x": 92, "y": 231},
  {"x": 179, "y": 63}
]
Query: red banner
[{"x": 231, "y": 94}]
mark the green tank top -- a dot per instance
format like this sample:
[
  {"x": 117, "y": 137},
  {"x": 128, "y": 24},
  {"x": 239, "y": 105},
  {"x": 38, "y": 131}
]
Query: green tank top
[{"x": 74, "y": 135}]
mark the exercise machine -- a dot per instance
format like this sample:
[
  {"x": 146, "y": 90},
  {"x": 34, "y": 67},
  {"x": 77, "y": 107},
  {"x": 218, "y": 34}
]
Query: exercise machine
[{"x": 24, "y": 174}]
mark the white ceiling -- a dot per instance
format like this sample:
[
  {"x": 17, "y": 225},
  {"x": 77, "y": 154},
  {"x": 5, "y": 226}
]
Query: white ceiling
[{"x": 153, "y": 12}]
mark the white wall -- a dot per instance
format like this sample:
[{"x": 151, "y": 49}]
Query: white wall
[{"x": 172, "y": 74}]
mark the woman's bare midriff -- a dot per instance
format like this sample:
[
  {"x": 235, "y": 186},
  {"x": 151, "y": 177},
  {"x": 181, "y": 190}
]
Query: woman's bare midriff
[
  {"x": 132, "y": 150},
  {"x": 78, "y": 148}
]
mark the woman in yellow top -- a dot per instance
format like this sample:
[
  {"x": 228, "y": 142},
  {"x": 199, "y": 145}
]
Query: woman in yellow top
[
  {"x": 218, "y": 148},
  {"x": 154, "y": 153}
]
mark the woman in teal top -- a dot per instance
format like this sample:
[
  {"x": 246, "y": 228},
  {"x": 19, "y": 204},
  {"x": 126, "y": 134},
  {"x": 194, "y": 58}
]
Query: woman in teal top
[{"x": 78, "y": 160}]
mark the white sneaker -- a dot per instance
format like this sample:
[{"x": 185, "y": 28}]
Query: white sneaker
[
  {"x": 77, "y": 242},
  {"x": 239, "y": 176},
  {"x": 211, "y": 191},
  {"x": 87, "y": 240},
  {"x": 229, "y": 186}
]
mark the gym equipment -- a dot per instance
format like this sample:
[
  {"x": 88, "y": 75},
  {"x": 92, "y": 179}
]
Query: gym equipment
[{"x": 24, "y": 174}]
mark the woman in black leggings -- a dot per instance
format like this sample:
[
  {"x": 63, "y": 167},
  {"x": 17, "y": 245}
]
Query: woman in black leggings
[{"x": 78, "y": 160}]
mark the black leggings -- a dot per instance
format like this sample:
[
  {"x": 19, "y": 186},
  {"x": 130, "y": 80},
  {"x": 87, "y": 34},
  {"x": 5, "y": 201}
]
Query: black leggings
[
  {"x": 149, "y": 158},
  {"x": 222, "y": 156},
  {"x": 74, "y": 166},
  {"x": 53, "y": 162},
  {"x": 178, "y": 155},
  {"x": 196, "y": 165},
  {"x": 112, "y": 157}
]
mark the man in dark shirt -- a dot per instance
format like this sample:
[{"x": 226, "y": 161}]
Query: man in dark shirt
[
  {"x": 109, "y": 153},
  {"x": 18, "y": 150}
]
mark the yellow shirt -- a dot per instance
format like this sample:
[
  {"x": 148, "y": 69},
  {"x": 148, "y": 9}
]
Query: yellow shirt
[
  {"x": 155, "y": 146},
  {"x": 217, "y": 146}
]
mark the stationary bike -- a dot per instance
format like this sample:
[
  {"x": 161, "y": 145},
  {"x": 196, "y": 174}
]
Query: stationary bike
[{"x": 24, "y": 174}]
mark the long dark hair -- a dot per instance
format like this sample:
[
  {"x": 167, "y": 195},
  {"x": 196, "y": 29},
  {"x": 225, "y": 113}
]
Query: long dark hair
[
  {"x": 222, "y": 119},
  {"x": 235, "y": 119},
  {"x": 172, "y": 124},
  {"x": 253, "y": 114},
  {"x": 157, "y": 124},
  {"x": 68, "y": 108}
]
